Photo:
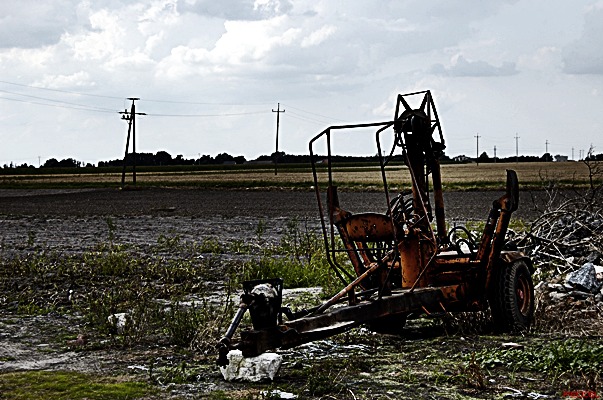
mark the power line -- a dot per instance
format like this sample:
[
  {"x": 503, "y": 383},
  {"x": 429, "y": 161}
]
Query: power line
[
  {"x": 310, "y": 121},
  {"x": 61, "y": 91},
  {"x": 56, "y": 101},
  {"x": 313, "y": 113},
  {"x": 206, "y": 103},
  {"x": 146, "y": 100},
  {"x": 81, "y": 108},
  {"x": 207, "y": 115}
]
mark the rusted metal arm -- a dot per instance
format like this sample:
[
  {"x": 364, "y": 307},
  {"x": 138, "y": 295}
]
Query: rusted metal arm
[
  {"x": 224, "y": 343},
  {"x": 339, "y": 320},
  {"x": 505, "y": 206},
  {"x": 348, "y": 288}
]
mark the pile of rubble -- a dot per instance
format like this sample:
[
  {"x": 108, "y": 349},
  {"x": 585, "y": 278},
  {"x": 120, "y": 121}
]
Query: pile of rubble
[
  {"x": 582, "y": 284},
  {"x": 571, "y": 303}
]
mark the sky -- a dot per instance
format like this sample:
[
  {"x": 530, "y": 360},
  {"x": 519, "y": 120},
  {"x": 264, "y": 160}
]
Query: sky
[{"x": 524, "y": 76}]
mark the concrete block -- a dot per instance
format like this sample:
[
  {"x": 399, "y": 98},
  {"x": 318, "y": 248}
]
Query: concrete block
[{"x": 251, "y": 369}]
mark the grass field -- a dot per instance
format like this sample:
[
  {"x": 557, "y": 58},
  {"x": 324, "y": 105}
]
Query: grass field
[{"x": 361, "y": 177}]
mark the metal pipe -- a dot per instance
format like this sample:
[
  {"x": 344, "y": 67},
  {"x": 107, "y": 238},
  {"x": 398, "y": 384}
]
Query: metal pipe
[{"x": 355, "y": 283}]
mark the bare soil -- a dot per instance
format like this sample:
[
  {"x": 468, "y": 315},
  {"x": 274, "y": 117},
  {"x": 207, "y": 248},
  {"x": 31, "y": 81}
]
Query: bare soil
[
  {"x": 228, "y": 204},
  {"x": 75, "y": 220}
]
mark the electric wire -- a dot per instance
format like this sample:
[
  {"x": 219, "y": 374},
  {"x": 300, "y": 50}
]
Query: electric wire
[
  {"x": 206, "y": 103},
  {"x": 92, "y": 108},
  {"x": 146, "y": 100},
  {"x": 206, "y": 115},
  {"x": 306, "y": 119},
  {"x": 80, "y": 108},
  {"x": 313, "y": 113},
  {"x": 61, "y": 91}
]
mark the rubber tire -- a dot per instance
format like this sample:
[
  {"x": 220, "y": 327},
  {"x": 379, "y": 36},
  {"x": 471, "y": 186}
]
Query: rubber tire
[{"x": 512, "y": 298}]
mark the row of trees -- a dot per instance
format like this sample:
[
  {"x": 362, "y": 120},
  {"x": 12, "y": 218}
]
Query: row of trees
[{"x": 164, "y": 158}]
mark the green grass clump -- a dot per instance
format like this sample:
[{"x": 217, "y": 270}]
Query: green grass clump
[
  {"x": 299, "y": 259},
  {"x": 554, "y": 358},
  {"x": 63, "y": 385},
  {"x": 294, "y": 273}
]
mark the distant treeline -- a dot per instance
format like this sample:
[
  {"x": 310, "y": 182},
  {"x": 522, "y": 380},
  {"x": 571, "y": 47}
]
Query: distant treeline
[{"x": 163, "y": 158}]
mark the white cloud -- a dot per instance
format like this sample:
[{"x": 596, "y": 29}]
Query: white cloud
[
  {"x": 79, "y": 79},
  {"x": 103, "y": 40},
  {"x": 32, "y": 23},
  {"x": 244, "y": 46},
  {"x": 318, "y": 36},
  {"x": 236, "y": 9},
  {"x": 584, "y": 56},
  {"x": 545, "y": 58},
  {"x": 342, "y": 59},
  {"x": 462, "y": 67}
]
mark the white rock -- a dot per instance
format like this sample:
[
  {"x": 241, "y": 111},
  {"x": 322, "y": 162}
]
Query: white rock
[
  {"x": 539, "y": 285},
  {"x": 119, "y": 321},
  {"x": 557, "y": 295},
  {"x": 512, "y": 345},
  {"x": 556, "y": 287},
  {"x": 584, "y": 279},
  {"x": 251, "y": 369},
  {"x": 277, "y": 394}
]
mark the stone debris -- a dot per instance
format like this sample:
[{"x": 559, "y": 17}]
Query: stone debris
[
  {"x": 584, "y": 283},
  {"x": 584, "y": 279},
  {"x": 251, "y": 369},
  {"x": 512, "y": 345},
  {"x": 277, "y": 394},
  {"x": 565, "y": 245},
  {"x": 518, "y": 394},
  {"x": 119, "y": 321}
]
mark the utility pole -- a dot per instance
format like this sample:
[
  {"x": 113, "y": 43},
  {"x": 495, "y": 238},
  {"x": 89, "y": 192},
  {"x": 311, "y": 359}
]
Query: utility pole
[
  {"x": 39, "y": 161},
  {"x": 477, "y": 149},
  {"x": 278, "y": 112},
  {"x": 516, "y": 148},
  {"x": 131, "y": 118},
  {"x": 546, "y": 146},
  {"x": 494, "y": 154}
]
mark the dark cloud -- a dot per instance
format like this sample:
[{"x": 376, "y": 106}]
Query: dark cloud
[
  {"x": 462, "y": 67},
  {"x": 584, "y": 56},
  {"x": 31, "y": 23}
]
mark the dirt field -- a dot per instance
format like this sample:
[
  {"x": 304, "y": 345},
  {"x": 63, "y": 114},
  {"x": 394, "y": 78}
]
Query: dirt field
[
  {"x": 225, "y": 203},
  {"x": 75, "y": 221}
]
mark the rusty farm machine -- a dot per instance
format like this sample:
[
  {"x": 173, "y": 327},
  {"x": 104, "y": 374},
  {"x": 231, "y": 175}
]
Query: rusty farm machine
[{"x": 405, "y": 260}]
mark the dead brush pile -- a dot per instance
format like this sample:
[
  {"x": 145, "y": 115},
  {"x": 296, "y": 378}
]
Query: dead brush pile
[{"x": 566, "y": 245}]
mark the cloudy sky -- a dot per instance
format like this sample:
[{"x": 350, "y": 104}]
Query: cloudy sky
[{"x": 209, "y": 73}]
